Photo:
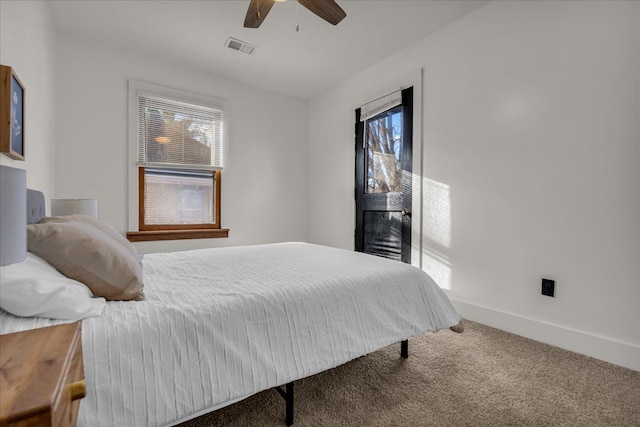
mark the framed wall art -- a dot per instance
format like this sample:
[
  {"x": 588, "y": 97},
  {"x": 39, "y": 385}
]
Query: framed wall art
[{"x": 11, "y": 114}]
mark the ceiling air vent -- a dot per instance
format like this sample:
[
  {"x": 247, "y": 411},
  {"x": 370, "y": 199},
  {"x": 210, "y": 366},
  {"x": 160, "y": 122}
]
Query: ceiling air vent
[{"x": 240, "y": 46}]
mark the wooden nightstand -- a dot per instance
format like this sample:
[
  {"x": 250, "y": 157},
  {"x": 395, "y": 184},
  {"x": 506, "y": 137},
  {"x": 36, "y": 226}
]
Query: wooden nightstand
[{"x": 41, "y": 376}]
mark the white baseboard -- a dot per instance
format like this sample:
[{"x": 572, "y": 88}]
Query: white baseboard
[{"x": 607, "y": 349}]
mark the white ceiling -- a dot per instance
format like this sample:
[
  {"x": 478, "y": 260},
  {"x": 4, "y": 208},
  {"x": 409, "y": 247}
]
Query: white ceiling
[{"x": 300, "y": 64}]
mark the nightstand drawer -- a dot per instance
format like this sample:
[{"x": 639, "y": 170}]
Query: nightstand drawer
[{"x": 42, "y": 377}]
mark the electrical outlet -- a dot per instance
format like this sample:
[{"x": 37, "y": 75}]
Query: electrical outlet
[{"x": 548, "y": 287}]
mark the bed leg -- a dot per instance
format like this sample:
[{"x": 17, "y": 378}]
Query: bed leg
[
  {"x": 404, "y": 349},
  {"x": 287, "y": 395},
  {"x": 289, "y": 404}
]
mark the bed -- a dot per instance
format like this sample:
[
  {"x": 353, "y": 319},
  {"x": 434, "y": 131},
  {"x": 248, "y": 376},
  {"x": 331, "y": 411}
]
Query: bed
[{"x": 219, "y": 325}]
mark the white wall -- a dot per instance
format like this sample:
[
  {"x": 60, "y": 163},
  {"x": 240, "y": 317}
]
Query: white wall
[
  {"x": 265, "y": 181},
  {"x": 531, "y": 168},
  {"x": 27, "y": 44}
]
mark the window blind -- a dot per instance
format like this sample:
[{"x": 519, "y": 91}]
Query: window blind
[
  {"x": 178, "y": 135},
  {"x": 378, "y": 105}
]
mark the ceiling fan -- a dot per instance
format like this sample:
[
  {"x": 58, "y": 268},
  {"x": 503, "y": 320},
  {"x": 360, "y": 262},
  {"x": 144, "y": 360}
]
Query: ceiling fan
[{"x": 325, "y": 9}]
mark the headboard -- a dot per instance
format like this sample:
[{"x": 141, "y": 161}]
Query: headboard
[
  {"x": 18, "y": 207},
  {"x": 13, "y": 215},
  {"x": 35, "y": 206}
]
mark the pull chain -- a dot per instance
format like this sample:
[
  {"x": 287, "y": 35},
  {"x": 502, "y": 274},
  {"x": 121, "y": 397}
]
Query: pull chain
[{"x": 297, "y": 19}]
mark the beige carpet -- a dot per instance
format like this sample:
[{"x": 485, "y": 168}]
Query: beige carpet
[{"x": 483, "y": 377}]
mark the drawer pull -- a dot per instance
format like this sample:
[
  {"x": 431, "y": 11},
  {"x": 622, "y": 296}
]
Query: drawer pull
[{"x": 78, "y": 390}]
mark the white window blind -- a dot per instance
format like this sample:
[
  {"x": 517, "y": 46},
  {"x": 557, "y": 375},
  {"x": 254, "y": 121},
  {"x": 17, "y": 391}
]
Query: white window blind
[
  {"x": 178, "y": 135},
  {"x": 378, "y": 105}
]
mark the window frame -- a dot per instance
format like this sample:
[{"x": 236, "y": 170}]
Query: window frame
[
  {"x": 137, "y": 229},
  {"x": 216, "y": 176}
]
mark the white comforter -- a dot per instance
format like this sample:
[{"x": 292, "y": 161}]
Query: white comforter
[{"x": 219, "y": 325}]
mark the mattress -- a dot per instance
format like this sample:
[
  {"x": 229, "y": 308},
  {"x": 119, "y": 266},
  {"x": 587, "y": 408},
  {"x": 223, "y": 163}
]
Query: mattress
[{"x": 218, "y": 325}]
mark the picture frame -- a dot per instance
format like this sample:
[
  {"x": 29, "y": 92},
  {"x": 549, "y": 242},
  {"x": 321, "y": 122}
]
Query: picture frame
[{"x": 11, "y": 114}]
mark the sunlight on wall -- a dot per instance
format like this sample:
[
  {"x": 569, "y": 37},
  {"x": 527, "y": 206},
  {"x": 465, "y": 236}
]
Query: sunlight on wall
[
  {"x": 436, "y": 236},
  {"x": 436, "y": 208},
  {"x": 437, "y": 265},
  {"x": 416, "y": 220}
]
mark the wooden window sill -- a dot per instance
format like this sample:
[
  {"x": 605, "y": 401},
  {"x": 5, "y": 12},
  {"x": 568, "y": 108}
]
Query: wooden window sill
[{"x": 147, "y": 236}]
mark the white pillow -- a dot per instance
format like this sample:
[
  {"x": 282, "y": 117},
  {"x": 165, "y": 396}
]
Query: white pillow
[{"x": 34, "y": 288}]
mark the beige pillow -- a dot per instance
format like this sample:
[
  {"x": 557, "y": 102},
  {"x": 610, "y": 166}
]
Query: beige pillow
[
  {"x": 102, "y": 226},
  {"x": 84, "y": 253}
]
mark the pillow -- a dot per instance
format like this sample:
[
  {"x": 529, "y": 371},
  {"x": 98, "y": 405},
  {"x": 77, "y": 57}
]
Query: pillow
[
  {"x": 82, "y": 252},
  {"x": 33, "y": 288},
  {"x": 102, "y": 226}
]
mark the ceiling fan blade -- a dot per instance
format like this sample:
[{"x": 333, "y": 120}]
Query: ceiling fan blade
[
  {"x": 258, "y": 10},
  {"x": 325, "y": 9}
]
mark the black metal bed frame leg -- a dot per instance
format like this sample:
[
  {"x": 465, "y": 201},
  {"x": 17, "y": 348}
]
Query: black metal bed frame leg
[
  {"x": 287, "y": 395},
  {"x": 287, "y": 392},
  {"x": 404, "y": 349}
]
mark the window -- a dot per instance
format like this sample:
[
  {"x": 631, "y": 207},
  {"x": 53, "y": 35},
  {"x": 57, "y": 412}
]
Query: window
[{"x": 178, "y": 140}]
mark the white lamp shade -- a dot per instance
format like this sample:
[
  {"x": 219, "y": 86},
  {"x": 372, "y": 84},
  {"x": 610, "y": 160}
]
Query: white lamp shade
[{"x": 61, "y": 207}]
